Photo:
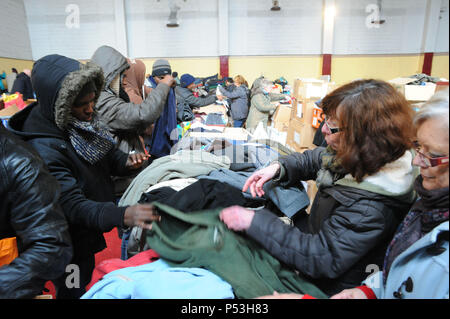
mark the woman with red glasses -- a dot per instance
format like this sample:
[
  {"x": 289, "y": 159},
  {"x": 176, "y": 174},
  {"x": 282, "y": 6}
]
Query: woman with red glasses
[
  {"x": 417, "y": 260},
  {"x": 365, "y": 184}
]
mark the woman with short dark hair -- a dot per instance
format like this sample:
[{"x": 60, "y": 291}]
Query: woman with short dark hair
[{"x": 365, "y": 187}]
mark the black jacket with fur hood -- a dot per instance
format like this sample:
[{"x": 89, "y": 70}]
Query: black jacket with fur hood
[{"x": 87, "y": 191}]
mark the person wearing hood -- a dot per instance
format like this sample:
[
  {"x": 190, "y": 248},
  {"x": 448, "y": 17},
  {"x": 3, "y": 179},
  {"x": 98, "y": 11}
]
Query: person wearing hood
[
  {"x": 184, "y": 94},
  {"x": 35, "y": 244},
  {"x": 260, "y": 103},
  {"x": 239, "y": 100},
  {"x": 22, "y": 84},
  {"x": 365, "y": 182},
  {"x": 80, "y": 152},
  {"x": 127, "y": 120}
]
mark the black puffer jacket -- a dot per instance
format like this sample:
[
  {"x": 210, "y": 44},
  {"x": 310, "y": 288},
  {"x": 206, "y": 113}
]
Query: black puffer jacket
[
  {"x": 30, "y": 212},
  {"x": 347, "y": 231},
  {"x": 87, "y": 191}
]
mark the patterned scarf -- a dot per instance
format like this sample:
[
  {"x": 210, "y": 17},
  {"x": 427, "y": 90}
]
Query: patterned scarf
[
  {"x": 331, "y": 170},
  {"x": 428, "y": 212},
  {"x": 90, "y": 139}
]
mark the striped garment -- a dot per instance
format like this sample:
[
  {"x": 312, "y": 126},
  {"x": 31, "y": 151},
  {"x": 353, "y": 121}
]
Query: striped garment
[{"x": 90, "y": 140}]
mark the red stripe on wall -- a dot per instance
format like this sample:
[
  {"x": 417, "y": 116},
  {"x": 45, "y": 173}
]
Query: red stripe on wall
[
  {"x": 224, "y": 66},
  {"x": 326, "y": 64},
  {"x": 427, "y": 63}
]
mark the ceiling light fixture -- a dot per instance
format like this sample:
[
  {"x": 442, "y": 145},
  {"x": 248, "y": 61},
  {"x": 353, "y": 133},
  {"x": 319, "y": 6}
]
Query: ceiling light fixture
[
  {"x": 379, "y": 20},
  {"x": 275, "y": 6}
]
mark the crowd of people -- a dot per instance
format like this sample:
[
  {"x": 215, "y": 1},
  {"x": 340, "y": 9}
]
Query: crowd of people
[{"x": 382, "y": 178}]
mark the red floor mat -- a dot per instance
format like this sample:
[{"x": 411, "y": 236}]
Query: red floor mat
[{"x": 112, "y": 250}]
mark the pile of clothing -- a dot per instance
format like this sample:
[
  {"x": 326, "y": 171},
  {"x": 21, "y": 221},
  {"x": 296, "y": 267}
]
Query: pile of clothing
[{"x": 189, "y": 188}]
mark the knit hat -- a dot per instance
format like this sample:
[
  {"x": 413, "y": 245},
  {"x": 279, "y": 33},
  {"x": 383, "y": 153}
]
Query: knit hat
[
  {"x": 161, "y": 67},
  {"x": 186, "y": 80}
]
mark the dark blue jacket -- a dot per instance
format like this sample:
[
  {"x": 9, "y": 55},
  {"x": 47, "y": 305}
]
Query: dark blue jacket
[
  {"x": 22, "y": 84},
  {"x": 239, "y": 101}
]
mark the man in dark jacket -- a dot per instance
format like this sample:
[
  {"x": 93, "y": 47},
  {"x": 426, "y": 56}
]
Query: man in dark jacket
[
  {"x": 22, "y": 84},
  {"x": 184, "y": 94},
  {"x": 29, "y": 211},
  {"x": 80, "y": 152}
]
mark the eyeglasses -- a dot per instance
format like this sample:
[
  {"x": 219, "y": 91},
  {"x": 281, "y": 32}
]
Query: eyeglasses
[
  {"x": 333, "y": 130},
  {"x": 430, "y": 161}
]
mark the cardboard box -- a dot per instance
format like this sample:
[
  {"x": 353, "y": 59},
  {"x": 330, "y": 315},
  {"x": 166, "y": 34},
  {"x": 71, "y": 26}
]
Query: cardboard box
[
  {"x": 281, "y": 117},
  {"x": 300, "y": 136},
  {"x": 418, "y": 93},
  {"x": 303, "y": 110},
  {"x": 312, "y": 89},
  {"x": 276, "y": 135}
]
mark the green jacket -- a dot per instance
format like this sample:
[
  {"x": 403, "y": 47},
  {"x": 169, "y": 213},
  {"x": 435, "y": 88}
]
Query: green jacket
[
  {"x": 200, "y": 239},
  {"x": 260, "y": 109}
]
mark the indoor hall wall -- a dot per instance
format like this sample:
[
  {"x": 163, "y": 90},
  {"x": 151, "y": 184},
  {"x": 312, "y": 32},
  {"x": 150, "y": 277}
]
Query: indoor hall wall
[
  {"x": 15, "y": 40},
  {"x": 346, "y": 68},
  {"x": 198, "y": 67},
  {"x": 273, "y": 67},
  {"x": 440, "y": 67},
  {"x": 7, "y": 63}
]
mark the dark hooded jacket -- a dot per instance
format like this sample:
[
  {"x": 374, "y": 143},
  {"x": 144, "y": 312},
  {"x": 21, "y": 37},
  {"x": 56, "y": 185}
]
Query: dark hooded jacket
[
  {"x": 87, "y": 191},
  {"x": 29, "y": 211},
  {"x": 126, "y": 120}
]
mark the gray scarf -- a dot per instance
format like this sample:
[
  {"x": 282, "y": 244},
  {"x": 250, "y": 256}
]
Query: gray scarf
[{"x": 90, "y": 140}]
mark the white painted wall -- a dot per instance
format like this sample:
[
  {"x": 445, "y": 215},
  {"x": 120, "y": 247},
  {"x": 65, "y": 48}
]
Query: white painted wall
[
  {"x": 402, "y": 33},
  {"x": 295, "y": 29},
  {"x": 49, "y": 33},
  {"x": 253, "y": 29},
  {"x": 15, "y": 40},
  {"x": 442, "y": 36},
  {"x": 148, "y": 35}
]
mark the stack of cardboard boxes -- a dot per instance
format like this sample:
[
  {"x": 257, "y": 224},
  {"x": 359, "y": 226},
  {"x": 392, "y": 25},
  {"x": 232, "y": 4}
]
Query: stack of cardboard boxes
[
  {"x": 307, "y": 92},
  {"x": 417, "y": 95}
]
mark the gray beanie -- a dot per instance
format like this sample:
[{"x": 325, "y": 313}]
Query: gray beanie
[{"x": 161, "y": 67}]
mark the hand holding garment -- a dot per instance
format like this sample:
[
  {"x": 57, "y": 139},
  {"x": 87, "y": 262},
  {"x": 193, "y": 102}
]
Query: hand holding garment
[{"x": 201, "y": 240}]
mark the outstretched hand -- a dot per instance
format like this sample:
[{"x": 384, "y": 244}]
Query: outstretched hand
[
  {"x": 140, "y": 215},
  {"x": 136, "y": 160},
  {"x": 257, "y": 180}
]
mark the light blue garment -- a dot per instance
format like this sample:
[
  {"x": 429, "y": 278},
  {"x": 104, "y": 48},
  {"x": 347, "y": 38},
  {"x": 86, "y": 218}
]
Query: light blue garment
[
  {"x": 157, "y": 280},
  {"x": 429, "y": 274}
]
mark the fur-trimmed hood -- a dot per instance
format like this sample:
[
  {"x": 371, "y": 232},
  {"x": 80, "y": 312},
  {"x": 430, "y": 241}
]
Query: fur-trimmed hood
[{"x": 57, "y": 81}]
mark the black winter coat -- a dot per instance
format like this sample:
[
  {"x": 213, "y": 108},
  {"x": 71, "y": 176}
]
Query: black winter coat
[
  {"x": 87, "y": 191},
  {"x": 22, "y": 84},
  {"x": 30, "y": 212},
  {"x": 347, "y": 230}
]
